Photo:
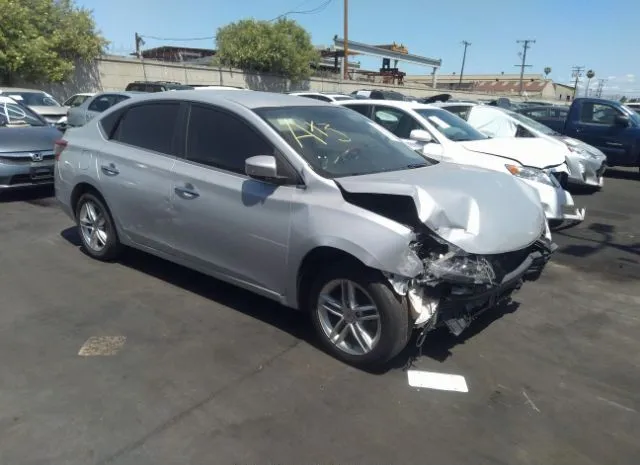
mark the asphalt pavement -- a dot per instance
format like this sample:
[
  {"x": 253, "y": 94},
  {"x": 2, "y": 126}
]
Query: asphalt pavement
[{"x": 144, "y": 362}]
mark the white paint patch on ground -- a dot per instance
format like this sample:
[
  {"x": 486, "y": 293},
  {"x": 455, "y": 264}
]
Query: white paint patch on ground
[
  {"x": 441, "y": 381},
  {"x": 617, "y": 405},
  {"x": 102, "y": 346}
]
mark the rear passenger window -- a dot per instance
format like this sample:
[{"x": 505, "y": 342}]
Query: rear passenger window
[
  {"x": 217, "y": 139},
  {"x": 151, "y": 126}
]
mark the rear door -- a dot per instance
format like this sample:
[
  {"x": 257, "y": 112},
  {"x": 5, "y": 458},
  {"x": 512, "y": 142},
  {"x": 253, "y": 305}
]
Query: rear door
[
  {"x": 134, "y": 168},
  {"x": 225, "y": 222}
]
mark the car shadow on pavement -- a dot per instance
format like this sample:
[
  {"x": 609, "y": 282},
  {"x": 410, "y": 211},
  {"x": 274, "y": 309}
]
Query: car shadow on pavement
[
  {"x": 437, "y": 346},
  {"x": 606, "y": 239},
  {"x": 439, "y": 343},
  {"x": 617, "y": 173},
  {"x": 34, "y": 195}
]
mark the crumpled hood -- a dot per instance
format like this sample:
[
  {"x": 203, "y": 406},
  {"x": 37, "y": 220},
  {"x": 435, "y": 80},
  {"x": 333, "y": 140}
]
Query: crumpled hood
[
  {"x": 480, "y": 211},
  {"x": 530, "y": 151},
  {"x": 585, "y": 151},
  {"x": 26, "y": 139}
]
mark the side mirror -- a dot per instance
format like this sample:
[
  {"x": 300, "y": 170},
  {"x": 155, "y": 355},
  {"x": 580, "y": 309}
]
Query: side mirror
[
  {"x": 263, "y": 167},
  {"x": 420, "y": 135},
  {"x": 621, "y": 120}
]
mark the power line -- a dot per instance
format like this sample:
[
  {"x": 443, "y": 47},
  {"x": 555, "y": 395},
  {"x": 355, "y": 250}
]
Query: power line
[
  {"x": 523, "y": 65},
  {"x": 320, "y": 8}
]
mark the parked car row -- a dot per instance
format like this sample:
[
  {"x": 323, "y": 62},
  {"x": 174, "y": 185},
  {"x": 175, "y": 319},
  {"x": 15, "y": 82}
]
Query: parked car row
[{"x": 381, "y": 219}]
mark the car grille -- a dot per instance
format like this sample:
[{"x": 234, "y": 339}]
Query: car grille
[
  {"x": 505, "y": 263},
  {"x": 25, "y": 158},
  {"x": 27, "y": 179}
]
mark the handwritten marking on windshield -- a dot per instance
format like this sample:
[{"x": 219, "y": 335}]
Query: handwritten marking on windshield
[{"x": 312, "y": 130}]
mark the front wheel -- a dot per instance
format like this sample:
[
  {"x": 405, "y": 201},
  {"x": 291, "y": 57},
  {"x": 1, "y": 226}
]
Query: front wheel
[{"x": 357, "y": 316}]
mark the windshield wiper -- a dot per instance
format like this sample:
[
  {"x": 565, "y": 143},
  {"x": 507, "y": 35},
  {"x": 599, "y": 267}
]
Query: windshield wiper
[{"x": 416, "y": 165}]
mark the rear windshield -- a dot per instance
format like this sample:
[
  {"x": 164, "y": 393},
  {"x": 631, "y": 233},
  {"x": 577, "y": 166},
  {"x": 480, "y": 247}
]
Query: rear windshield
[{"x": 15, "y": 114}]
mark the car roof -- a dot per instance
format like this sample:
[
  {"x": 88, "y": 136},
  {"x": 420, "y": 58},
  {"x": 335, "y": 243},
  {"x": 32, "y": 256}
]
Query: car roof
[
  {"x": 247, "y": 98},
  {"x": 129, "y": 93},
  {"x": 403, "y": 104},
  {"x": 544, "y": 107},
  {"x": 20, "y": 89}
]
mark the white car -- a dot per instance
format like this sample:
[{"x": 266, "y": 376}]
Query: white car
[
  {"x": 443, "y": 136},
  {"x": 218, "y": 88},
  {"x": 586, "y": 163},
  {"x": 331, "y": 98},
  {"x": 72, "y": 102}
]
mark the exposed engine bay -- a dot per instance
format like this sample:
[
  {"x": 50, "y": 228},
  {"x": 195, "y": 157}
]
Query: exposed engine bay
[{"x": 454, "y": 287}]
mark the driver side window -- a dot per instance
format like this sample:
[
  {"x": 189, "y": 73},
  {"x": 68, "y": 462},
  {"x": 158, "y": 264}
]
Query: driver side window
[
  {"x": 396, "y": 121},
  {"x": 598, "y": 113}
]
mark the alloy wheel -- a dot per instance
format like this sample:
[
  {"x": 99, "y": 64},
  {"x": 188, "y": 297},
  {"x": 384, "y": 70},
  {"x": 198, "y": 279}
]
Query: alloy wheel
[
  {"x": 93, "y": 226},
  {"x": 349, "y": 317}
]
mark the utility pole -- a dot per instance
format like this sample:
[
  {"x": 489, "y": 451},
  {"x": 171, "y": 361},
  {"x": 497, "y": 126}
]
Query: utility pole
[
  {"x": 576, "y": 72},
  {"x": 600, "y": 87},
  {"x": 524, "y": 64},
  {"x": 139, "y": 42},
  {"x": 464, "y": 57},
  {"x": 346, "y": 39}
]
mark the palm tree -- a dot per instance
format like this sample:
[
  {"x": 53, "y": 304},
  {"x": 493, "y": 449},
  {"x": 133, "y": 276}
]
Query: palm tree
[
  {"x": 590, "y": 75},
  {"x": 547, "y": 71}
]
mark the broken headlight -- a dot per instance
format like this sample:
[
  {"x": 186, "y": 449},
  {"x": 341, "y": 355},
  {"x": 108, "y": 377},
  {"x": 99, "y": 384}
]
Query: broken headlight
[
  {"x": 530, "y": 174},
  {"x": 457, "y": 265}
]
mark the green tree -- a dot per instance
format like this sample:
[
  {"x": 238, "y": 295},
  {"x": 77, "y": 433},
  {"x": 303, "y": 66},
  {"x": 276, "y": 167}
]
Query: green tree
[
  {"x": 40, "y": 40},
  {"x": 281, "y": 47}
]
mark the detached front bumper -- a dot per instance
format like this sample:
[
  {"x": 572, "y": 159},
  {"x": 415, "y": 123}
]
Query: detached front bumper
[
  {"x": 455, "y": 303},
  {"x": 586, "y": 170}
]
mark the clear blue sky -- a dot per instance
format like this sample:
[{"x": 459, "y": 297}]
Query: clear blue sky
[{"x": 601, "y": 35}]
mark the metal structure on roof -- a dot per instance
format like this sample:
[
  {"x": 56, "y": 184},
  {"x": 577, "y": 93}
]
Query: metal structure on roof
[{"x": 366, "y": 49}]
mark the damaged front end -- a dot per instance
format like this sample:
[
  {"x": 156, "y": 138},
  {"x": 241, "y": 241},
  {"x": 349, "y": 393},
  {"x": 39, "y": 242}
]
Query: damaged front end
[{"x": 456, "y": 287}]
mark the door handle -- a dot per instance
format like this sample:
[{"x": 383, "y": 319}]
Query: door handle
[
  {"x": 186, "y": 192},
  {"x": 110, "y": 169}
]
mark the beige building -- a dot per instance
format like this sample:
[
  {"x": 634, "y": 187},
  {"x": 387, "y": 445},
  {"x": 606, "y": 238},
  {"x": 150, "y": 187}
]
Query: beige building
[{"x": 534, "y": 85}]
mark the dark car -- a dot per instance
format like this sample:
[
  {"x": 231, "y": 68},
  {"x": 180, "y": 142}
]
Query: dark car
[
  {"x": 379, "y": 95},
  {"x": 26, "y": 146},
  {"x": 609, "y": 126},
  {"x": 155, "y": 86}
]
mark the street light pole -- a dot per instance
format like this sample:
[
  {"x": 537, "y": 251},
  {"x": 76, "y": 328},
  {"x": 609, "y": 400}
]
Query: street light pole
[
  {"x": 346, "y": 39},
  {"x": 464, "y": 58}
]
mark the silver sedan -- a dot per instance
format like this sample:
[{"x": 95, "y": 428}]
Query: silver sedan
[{"x": 91, "y": 107}]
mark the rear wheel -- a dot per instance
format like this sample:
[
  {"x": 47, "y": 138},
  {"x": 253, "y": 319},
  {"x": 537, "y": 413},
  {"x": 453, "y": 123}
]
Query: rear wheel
[
  {"x": 96, "y": 228},
  {"x": 357, "y": 317}
]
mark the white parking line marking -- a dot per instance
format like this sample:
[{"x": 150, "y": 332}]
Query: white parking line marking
[
  {"x": 530, "y": 402},
  {"x": 102, "y": 346},
  {"x": 442, "y": 381}
]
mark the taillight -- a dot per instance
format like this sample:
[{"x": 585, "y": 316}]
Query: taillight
[{"x": 58, "y": 147}]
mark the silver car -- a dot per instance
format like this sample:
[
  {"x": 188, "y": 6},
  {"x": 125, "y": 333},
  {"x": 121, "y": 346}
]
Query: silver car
[
  {"x": 37, "y": 100},
  {"x": 306, "y": 203},
  {"x": 93, "y": 106},
  {"x": 26, "y": 147}
]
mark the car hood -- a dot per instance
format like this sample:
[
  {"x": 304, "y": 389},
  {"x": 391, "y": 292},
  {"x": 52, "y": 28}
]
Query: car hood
[
  {"x": 49, "y": 110},
  {"x": 31, "y": 138},
  {"x": 481, "y": 211},
  {"x": 530, "y": 151}
]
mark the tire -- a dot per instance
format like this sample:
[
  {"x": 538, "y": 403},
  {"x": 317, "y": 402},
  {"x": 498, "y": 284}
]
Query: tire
[
  {"x": 106, "y": 247},
  {"x": 390, "y": 336}
]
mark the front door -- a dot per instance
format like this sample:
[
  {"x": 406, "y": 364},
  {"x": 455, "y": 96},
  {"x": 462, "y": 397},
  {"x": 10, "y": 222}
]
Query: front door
[
  {"x": 597, "y": 127},
  {"x": 226, "y": 222},
  {"x": 134, "y": 167}
]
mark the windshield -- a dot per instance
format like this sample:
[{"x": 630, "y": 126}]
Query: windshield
[
  {"x": 76, "y": 100},
  {"x": 338, "y": 142},
  {"x": 546, "y": 130},
  {"x": 449, "y": 125},
  {"x": 633, "y": 116},
  {"x": 19, "y": 115},
  {"x": 33, "y": 99}
]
